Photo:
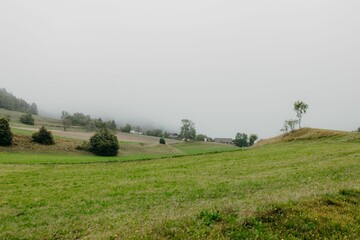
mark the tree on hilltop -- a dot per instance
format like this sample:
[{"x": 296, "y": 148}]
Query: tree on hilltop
[{"x": 300, "y": 108}]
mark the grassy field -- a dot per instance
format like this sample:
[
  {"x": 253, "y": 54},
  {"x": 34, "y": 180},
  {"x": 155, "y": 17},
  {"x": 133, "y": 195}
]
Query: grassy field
[
  {"x": 24, "y": 151},
  {"x": 304, "y": 188},
  {"x": 50, "y": 123},
  {"x": 74, "y": 132}
]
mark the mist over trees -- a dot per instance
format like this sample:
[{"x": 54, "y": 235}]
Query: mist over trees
[
  {"x": 12, "y": 103},
  {"x": 82, "y": 120}
]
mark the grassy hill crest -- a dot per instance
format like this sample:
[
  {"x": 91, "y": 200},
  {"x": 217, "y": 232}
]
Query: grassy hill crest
[{"x": 310, "y": 134}]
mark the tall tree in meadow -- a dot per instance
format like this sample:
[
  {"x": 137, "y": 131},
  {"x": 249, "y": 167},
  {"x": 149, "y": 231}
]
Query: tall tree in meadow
[{"x": 187, "y": 130}]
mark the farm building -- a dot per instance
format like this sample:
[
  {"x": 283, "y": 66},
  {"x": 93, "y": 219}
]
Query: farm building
[{"x": 224, "y": 140}]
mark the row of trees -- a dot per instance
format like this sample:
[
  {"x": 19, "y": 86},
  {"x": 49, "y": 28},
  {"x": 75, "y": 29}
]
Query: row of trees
[
  {"x": 10, "y": 102},
  {"x": 80, "y": 119}
]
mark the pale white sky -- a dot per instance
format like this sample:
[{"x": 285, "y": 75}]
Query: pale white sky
[{"x": 229, "y": 66}]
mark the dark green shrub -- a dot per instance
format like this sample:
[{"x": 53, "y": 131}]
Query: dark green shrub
[
  {"x": 162, "y": 141},
  {"x": 27, "y": 119},
  {"x": 104, "y": 143},
  {"x": 6, "y": 136},
  {"x": 43, "y": 136}
]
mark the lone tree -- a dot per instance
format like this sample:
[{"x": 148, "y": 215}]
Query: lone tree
[
  {"x": 6, "y": 136},
  {"x": 34, "y": 109},
  {"x": 187, "y": 130},
  {"x": 43, "y": 136},
  {"x": 252, "y": 139},
  {"x": 66, "y": 120},
  {"x": 300, "y": 108},
  {"x": 104, "y": 143}
]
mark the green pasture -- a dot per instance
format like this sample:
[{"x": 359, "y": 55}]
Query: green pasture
[{"x": 227, "y": 195}]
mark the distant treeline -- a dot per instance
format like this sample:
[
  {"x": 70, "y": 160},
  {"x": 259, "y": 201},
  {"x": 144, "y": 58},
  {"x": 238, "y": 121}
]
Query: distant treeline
[
  {"x": 10, "y": 102},
  {"x": 80, "y": 119}
]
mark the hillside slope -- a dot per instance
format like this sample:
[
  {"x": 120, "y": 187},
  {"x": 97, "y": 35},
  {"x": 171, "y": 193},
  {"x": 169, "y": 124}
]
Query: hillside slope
[
  {"x": 310, "y": 134},
  {"x": 55, "y": 125},
  {"x": 210, "y": 196}
]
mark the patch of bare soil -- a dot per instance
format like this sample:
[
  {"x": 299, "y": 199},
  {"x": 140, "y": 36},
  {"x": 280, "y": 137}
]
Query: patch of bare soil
[{"x": 25, "y": 144}]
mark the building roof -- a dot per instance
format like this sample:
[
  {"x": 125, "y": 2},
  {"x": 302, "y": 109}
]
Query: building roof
[{"x": 223, "y": 140}]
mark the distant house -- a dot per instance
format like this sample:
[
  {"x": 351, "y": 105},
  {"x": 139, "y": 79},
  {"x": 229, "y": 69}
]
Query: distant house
[
  {"x": 224, "y": 140},
  {"x": 174, "y": 136},
  {"x": 136, "y": 132}
]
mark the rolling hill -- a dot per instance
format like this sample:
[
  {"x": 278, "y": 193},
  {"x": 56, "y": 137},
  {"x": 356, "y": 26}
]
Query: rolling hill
[{"x": 304, "y": 185}]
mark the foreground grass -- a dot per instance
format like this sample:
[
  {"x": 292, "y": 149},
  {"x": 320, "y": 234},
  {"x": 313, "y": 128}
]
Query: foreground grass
[
  {"x": 333, "y": 216},
  {"x": 139, "y": 199}
]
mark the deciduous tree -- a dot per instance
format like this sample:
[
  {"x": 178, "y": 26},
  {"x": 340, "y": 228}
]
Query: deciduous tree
[
  {"x": 300, "y": 108},
  {"x": 187, "y": 130},
  {"x": 241, "y": 140}
]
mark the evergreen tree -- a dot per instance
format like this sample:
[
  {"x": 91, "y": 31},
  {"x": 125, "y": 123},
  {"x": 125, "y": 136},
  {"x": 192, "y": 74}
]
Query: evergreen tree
[{"x": 6, "y": 136}]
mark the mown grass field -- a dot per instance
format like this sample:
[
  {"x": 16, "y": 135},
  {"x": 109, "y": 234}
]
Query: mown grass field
[
  {"x": 24, "y": 151},
  {"x": 314, "y": 181},
  {"x": 50, "y": 123}
]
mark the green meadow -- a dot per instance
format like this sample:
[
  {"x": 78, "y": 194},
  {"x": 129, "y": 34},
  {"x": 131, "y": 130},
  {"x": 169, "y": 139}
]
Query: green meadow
[{"x": 301, "y": 186}]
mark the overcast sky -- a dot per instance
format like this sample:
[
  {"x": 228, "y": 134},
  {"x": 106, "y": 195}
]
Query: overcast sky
[{"x": 229, "y": 66}]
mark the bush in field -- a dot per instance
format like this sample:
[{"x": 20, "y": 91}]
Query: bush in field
[
  {"x": 241, "y": 140},
  {"x": 162, "y": 141},
  {"x": 27, "y": 119},
  {"x": 6, "y": 135},
  {"x": 43, "y": 136},
  {"x": 104, "y": 143}
]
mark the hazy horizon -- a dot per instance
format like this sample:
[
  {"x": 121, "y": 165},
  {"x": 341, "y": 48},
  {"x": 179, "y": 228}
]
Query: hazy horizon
[{"x": 229, "y": 66}]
